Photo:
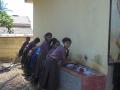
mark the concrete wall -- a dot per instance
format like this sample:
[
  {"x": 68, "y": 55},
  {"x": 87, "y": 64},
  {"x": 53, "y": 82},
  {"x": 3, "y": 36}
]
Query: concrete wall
[
  {"x": 69, "y": 81},
  {"x": 115, "y": 29},
  {"x": 9, "y": 47},
  {"x": 86, "y": 22}
]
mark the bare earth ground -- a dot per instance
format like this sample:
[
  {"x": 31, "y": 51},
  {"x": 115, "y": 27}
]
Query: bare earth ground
[{"x": 12, "y": 79}]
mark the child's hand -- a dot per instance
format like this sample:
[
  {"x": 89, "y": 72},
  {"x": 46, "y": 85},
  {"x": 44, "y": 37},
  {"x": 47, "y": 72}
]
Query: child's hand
[{"x": 30, "y": 53}]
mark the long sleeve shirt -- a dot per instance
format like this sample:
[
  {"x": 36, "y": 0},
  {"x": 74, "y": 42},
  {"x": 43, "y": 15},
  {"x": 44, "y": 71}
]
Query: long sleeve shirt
[{"x": 59, "y": 54}]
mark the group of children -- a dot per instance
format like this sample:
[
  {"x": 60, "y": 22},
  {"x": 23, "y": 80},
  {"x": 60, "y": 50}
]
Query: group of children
[{"x": 41, "y": 62}]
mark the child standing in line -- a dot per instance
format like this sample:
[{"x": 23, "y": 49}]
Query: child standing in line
[
  {"x": 27, "y": 49},
  {"x": 23, "y": 46},
  {"x": 57, "y": 58},
  {"x": 54, "y": 43},
  {"x": 44, "y": 49}
]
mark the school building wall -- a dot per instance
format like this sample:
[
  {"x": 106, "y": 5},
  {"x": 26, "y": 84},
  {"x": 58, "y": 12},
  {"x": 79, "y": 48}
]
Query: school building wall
[
  {"x": 115, "y": 29},
  {"x": 86, "y": 22}
]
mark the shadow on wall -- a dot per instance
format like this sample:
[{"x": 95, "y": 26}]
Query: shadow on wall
[{"x": 95, "y": 63}]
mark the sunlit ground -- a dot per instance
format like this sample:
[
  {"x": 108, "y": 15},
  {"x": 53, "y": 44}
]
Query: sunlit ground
[{"x": 12, "y": 79}]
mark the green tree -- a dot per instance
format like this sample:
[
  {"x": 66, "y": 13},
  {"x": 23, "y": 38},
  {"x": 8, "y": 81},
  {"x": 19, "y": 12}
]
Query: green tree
[{"x": 5, "y": 19}]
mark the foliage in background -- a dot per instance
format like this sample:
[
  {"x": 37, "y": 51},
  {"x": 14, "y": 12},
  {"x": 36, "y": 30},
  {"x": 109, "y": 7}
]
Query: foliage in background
[{"x": 5, "y": 19}]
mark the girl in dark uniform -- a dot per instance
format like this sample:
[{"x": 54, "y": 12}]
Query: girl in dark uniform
[
  {"x": 57, "y": 58},
  {"x": 26, "y": 51},
  {"x": 54, "y": 43},
  {"x": 44, "y": 48},
  {"x": 23, "y": 46}
]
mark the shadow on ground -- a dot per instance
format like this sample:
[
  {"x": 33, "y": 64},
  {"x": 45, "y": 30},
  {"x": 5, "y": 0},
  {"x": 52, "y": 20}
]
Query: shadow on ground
[{"x": 12, "y": 79}]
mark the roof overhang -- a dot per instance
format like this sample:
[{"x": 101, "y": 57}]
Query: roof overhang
[{"x": 28, "y": 1}]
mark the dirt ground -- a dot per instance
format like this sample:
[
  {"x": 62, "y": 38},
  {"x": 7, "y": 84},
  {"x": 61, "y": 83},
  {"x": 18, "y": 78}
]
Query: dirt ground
[{"x": 12, "y": 79}]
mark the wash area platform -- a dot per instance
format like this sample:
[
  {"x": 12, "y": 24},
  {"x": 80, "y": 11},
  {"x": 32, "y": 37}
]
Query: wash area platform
[
  {"x": 72, "y": 77},
  {"x": 79, "y": 77}
]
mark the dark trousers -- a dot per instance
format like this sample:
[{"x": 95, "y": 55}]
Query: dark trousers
[
  {"x": 49, "y": 78},
  {"x": 116, "y": 76}
]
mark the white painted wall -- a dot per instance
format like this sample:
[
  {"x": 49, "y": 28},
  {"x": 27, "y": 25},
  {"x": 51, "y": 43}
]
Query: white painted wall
[
  {"x": 86, "y": 22},
  {"x": 115, "y": 29}
]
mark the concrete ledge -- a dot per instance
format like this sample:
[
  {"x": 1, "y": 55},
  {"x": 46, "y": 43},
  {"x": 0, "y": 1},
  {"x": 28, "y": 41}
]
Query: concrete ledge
[
  {"x": 16, "y": 35},
  {"x": 70, "y": 80}
]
